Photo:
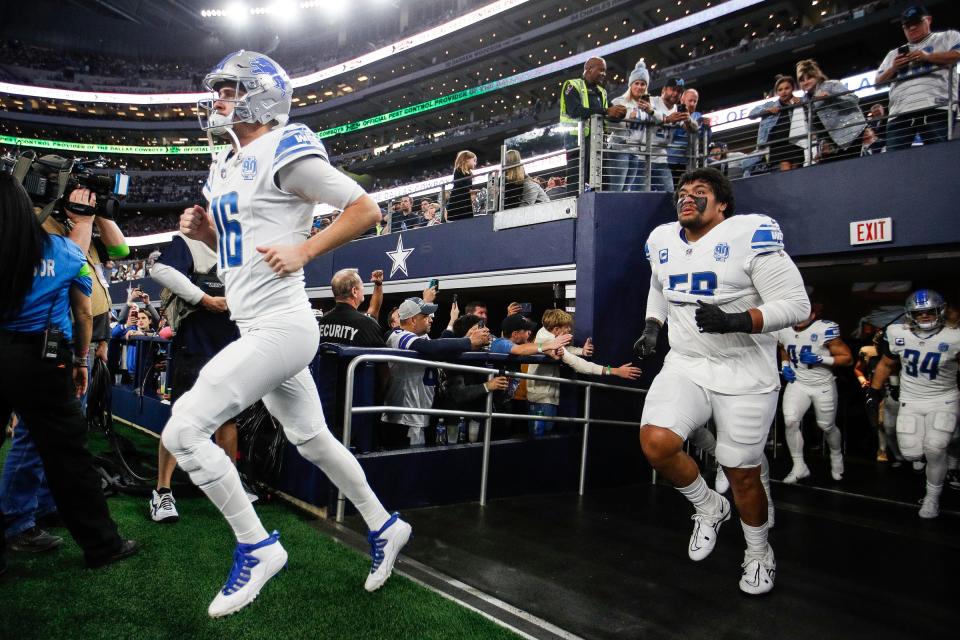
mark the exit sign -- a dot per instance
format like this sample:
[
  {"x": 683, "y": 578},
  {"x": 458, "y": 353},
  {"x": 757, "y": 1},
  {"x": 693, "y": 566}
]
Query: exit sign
[{"x": 870, "y": 231}]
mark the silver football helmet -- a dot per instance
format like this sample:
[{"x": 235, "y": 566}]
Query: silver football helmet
[
  {"x": 263, "y": 92},
  {"x": 926, "y": 302}
]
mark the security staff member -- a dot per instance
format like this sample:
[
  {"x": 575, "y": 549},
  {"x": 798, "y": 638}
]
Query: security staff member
[
  {"x": 581, "y": 98},
  {"x": 43, "y": 363},
  {"x": 197, "y": 312},
  {"x": 345, "y": 324}
]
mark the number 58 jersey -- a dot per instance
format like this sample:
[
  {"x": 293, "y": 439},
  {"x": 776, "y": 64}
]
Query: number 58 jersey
[
  {"x": 249, "y": 211},
  {"x": 928, "y": 365},
  {"x": 718, "y": 269}
]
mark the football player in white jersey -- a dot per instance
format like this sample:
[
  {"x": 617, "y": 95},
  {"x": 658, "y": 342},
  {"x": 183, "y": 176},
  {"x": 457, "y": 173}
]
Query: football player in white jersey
[
  {"x": 807, "y": 353},
  {"x": 928, "y": 352},
  {"x": 724, "y": 283},
  {"x": 262, "y": 190}
]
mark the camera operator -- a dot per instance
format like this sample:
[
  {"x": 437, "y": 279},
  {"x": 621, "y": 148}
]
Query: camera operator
[{"x": 43, "y": 372}]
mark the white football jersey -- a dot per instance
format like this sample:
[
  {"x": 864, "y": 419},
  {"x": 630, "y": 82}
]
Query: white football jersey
[
  {"x": 250, "y": 211},
  {"x": 928, "y": 362},
  {"x": 812, "y": 339},
  {"x": 717, "y": 269}
]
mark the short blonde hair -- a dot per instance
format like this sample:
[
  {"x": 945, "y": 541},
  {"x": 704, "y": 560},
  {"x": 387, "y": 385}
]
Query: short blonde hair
[
  {"x": 553, "y": 318},
  {"x": 515, "y": 172}
]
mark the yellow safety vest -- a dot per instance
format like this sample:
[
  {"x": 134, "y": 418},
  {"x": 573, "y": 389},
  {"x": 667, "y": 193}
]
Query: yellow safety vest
[{"x": 584, "y": 98}]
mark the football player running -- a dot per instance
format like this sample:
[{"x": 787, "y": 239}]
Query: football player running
[
  {"x": 927, "y": 350},
  {"x": 807, "y": 353},
  {"x": 262, "y": 190},
  {"x": 723, "y": 282}
]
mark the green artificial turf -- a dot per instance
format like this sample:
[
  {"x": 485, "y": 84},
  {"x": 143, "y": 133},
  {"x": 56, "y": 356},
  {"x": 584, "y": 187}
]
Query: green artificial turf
[{"x": 163, "y": 592}]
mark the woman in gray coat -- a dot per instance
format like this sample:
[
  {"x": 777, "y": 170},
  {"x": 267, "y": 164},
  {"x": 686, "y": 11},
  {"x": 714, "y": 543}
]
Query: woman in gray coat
[{"x": 836, "y": 109}]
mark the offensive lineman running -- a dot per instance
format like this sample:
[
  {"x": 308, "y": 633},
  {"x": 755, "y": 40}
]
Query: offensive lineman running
[
  {"x": 807, "y": 351},
  {"x": 262, "y": 190},
  {"x": 928, "y": 352},
  {"x": 716, "y": 274}
]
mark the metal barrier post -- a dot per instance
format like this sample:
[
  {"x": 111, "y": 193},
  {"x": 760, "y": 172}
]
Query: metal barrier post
[
  {"x": 502, "y": 184},
  {"x": 488, "y": 428},
  {"x": 809, "y": 114},
  {"x": 347, "y": 426},
  {"x": 492, "y": 181},
  {"x": 648, "y": 169},
  {"x": 580, "y": 156},
  {"x": 595, "y": 149},
  {"x": 586, "y": 438},
  {"x": 951, "y": 101}
]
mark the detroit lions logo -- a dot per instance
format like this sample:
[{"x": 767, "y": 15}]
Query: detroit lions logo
[
  {"x": 265, "y": 66},
  {"x": 721, "y": 252},
  {"x": 249, "y": 168}
]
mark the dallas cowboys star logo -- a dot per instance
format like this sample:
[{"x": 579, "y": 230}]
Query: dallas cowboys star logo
[{"x": 399, "y": 258}]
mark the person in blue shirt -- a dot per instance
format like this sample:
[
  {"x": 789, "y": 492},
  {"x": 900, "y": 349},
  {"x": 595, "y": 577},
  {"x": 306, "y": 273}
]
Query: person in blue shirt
[{"x": 43, "y": 363}]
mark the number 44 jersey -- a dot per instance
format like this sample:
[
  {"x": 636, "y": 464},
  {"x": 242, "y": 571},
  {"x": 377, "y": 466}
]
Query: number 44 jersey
[
  {"x": 249, "y": 211},
  {"x": 718, "y": 269},
  {"x": 928, "y": 363}
]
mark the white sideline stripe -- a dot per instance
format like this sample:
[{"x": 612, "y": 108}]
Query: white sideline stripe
[{"x": 496, "y": 602}]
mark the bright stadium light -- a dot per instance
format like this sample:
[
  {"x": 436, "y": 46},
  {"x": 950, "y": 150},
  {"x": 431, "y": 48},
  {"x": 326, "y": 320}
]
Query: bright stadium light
[{"x": 238, "y": 13}]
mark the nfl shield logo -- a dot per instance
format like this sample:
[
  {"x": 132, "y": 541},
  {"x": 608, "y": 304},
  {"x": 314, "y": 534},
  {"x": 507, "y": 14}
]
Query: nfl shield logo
[
  {"x": 663, "y": 256},
  {"x": 721, "y": 252},
  {"x": 249, "y": 168},
  {"x": 943, "y": 346}
]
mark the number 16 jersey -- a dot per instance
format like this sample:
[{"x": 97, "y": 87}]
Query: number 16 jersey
[{"x": 249, "y": 211}]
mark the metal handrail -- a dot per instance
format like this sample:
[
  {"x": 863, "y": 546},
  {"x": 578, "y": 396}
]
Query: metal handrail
[{"x": 349, "y": 410}]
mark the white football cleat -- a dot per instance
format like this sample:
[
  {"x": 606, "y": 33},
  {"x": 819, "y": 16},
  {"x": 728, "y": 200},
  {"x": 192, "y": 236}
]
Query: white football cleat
[
  {"x": 758, "y": 573},
  {"x": 253, "y": 566},
  {"x": 836, "y": 466},
  {"x": 705, "y": 529},
  {"x": 721, "y": 484},
  {"x": 163, "y": 507},
  {"x": 930, "y": 508},
  {"x": 799, "y": 472},
  {"x": 385, "y": 546}
]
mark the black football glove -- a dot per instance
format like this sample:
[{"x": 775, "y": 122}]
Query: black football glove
[
  {"x": 874, "y": 397},
  {"x": 711, "y": 319},
  {"x": 646, "y": 345}
]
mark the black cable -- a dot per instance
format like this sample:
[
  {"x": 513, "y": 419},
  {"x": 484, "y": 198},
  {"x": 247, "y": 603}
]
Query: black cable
[{"x": 100, "y": 418}]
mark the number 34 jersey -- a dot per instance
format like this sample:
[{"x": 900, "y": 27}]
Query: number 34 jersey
[
  {"x": 928, "y": 364},
  {"x": 717, "y": 269},
  {"x": 812, "y": 339},
  {"x": 249, "y": 211}
]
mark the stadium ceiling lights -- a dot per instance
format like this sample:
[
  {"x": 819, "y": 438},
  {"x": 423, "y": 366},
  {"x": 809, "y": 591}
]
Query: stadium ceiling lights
[
  {"x": 649, "y": 35},
  {"x": 382, "y": 53}
]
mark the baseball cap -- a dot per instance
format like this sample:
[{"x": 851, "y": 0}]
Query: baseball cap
[
  {"x": 913, "y": 14},
  {"x": 412, "y": 306},
  {"x": 516, "y": 322},
  {"x": 675, "y": 82}
]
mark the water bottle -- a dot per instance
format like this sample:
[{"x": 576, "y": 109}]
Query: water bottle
[
  {"x": 462, "y": 431},
  {"x": 441, "y": 433},
  {"x": 539, "y": 426}
]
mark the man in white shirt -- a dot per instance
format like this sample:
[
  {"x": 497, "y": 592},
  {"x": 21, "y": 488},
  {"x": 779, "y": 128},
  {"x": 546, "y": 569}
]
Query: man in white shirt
[{"x": 920, "y": 76}]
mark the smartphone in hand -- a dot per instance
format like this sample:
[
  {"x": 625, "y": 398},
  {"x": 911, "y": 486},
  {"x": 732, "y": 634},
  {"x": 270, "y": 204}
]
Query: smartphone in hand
[{"x": 434, "y": 284}]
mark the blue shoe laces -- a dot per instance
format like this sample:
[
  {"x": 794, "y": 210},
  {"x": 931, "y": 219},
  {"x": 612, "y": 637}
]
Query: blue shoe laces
[
  {"x": 243, "y": 563},
  {"x": 377, "y": 543}
]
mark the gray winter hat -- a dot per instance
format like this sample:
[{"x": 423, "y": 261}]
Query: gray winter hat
[{"x": 640, "y": 73}]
